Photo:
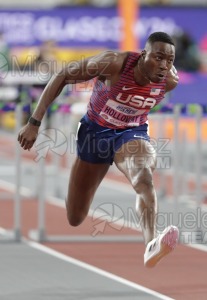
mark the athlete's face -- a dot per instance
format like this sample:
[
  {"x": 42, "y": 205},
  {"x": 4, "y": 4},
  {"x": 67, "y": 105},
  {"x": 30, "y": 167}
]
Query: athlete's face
[{"x": 158, "y": 59}]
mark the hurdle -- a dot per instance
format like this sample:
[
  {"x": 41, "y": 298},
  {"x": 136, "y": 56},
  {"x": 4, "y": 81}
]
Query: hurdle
[
  {"x": 15, "y": 233},
  {"x": 176, "y": 154},
  {"x": 16, "y": 82},
  {"x": 198, "y": 156},
  {"x": 159, "y": 133}
]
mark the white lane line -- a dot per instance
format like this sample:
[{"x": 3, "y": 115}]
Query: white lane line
[
  {"x": 95, "y": 270},
  {"x": 198, "y": 247}
]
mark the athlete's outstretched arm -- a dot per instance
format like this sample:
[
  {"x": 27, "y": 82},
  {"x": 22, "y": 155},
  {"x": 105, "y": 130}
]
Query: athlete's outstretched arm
[
  {"x": 103, "y": 65},
  {"x": 100, "y": 65}
]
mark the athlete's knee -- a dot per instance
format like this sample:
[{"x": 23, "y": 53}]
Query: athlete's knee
[
  {"x": 143, "y": 181},
  {"x": 75, "y": 214},
  {"x": 74, "y": 221}
]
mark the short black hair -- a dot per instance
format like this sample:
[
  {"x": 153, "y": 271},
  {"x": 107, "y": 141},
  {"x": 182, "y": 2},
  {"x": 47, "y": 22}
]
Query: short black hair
[{"x": 160, "y": 37}]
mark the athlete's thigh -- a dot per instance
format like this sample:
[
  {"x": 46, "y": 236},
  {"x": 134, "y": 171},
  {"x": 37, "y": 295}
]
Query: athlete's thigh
[
  {"x": 134, "y": 156},
  {"x": 85, "y": 178}
]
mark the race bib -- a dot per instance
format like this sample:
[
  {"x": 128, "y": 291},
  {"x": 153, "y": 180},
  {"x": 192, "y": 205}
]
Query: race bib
[{"x": 121, "y": 115}]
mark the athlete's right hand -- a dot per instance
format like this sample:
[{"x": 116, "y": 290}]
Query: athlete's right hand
[{"x": 27, "y": 136}]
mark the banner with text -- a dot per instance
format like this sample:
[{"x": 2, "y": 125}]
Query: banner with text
[{"x": 96, "y": 27}]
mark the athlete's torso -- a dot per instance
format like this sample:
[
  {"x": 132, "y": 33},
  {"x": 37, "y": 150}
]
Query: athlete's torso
[{"x": 126, "y": 104}]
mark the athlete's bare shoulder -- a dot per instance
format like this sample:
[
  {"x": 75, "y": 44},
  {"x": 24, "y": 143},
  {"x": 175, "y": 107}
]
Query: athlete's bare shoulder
[
  {"x": 108, "y": 62},
  {"x": 104, "y": 65}
]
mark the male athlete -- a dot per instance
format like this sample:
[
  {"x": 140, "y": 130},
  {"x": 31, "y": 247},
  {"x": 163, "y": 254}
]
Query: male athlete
[{"x": 115, "y": 129}]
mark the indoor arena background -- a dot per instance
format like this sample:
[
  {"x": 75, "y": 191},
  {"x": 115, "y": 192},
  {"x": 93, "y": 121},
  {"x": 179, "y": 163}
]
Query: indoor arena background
[{"x": 42, "y": 257}]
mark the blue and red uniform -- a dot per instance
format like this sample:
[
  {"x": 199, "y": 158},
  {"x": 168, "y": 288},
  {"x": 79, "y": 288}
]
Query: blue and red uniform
[
  {"x": 126, "y": 104},
  {"x": 117, "y": 114}
]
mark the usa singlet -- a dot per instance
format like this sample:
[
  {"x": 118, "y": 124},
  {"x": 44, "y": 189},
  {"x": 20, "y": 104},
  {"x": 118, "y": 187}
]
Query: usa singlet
[{"x": 126, "y": 104}]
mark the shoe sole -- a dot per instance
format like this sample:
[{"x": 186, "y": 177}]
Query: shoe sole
[{"x": 167, "y": 245}]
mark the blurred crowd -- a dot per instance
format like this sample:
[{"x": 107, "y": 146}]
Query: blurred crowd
[
  {"x": 187, "y": 53},
  {"x": 142, "y": 2},
  {"x": 102, "y": 3}
]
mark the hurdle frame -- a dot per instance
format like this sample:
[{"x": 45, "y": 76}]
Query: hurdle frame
[{"x": 18, "y": 81}]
